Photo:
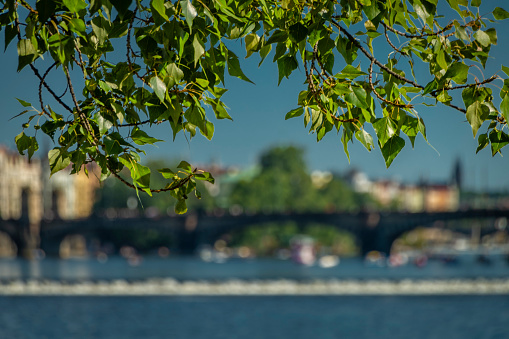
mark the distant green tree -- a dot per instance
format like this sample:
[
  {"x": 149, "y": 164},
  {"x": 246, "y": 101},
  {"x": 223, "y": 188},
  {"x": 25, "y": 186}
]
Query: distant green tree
[{"x": 283, "y": 184}]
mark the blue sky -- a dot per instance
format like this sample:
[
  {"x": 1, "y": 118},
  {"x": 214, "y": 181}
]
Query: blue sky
[{"x": 258, "y": 112}]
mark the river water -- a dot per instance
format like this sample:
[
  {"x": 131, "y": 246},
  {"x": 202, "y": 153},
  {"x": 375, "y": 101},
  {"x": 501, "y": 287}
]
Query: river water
[
  {"x": 192, "y": 268},
  {"x": 193, "y": 316}
]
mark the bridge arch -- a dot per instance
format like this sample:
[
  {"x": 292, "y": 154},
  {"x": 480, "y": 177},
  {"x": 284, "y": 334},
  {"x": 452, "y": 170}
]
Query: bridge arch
[
  {"x": 268, "y": 237},
  {"x": 72, "y": 246},
  {"x": 467, "y": 227},
  {"x": 69, "y": 238},
  {"x": 8, "y": 248}
]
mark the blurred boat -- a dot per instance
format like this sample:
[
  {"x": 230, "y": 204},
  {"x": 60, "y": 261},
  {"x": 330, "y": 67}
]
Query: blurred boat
[
  {"x": 303, "y": 250},
  {"x": 397, "y": 259},
  {"x": 375, "y": 258},
  {"x": 328, "y": 261},
  {"x": 421, "y": 260}
]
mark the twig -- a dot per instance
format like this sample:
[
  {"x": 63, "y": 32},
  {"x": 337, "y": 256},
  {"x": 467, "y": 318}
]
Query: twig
[{"x": 378, "y": 95}]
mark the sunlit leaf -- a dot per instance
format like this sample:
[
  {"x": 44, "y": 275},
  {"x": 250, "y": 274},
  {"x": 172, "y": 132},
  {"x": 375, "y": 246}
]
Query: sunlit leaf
[{"x": 392, "y": 148}]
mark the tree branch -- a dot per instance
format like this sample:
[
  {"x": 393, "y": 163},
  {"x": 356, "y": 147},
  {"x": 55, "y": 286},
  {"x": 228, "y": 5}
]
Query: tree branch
[
  {"x": 372, "y": 58},
  {"x": 370, "y": 71},
  {"x": 411, "y": 36}
]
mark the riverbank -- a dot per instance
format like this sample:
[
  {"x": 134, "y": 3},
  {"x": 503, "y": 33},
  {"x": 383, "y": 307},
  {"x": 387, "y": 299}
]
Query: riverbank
[{"x": 260, "y": 287}]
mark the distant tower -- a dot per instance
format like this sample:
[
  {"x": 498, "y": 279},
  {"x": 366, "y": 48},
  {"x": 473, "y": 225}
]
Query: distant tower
[{"x": 457, "y": 174}]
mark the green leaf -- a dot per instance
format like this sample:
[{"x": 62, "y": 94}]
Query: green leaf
[
  {"x": 298, "y": 32},
  {"x": 441, "y": 59},
  {"x": 104, "y": 124},
  {"x": 112, "y": 146},
  {"x": 365, "y": 138},
  {"x": 444, "y": 97},
  {"x": 208, "y": 131},
  {"x": 483, "y": 142},
  {"x": 357, "y": 97},
  {"x": 141, "y": 175},
  {"x": 159, "y": 10},
  {"x": 476, "y": 3},
  {"x": 385, "y": 129},
  {"x": 349, "y": 72},
  {"x": 100, "y": 27},
  {"x": 234, "y": 67},
  {"x": 286, "y": 65},
  {"x": 189, "y": 12},
  {"x": 498, "y": 139},
  {"x": 75, "y": 5},
  {"x": 166, "y": 173},
  {"x": 27, "y": 53},
  {"x": 24, "y": 103},
  {"x": 264, "y": 52},
  {"x": 26, "y": 143},
  {"x": 458, "y": 72},
  {"x": 185, "y": 166},
  {"x": 392, "y": 148},
  {"x": 159, "y": 87},
  {"x": 421, "y": 11},
  {"x": 180, "y": 206},
  {"x": 141, "y": 138},
  {"x": 504, "y": 107},
  {"x": 476, "y": 114},
  {"x": 500, "y": 13},
  {"x": 430, "y": 87},
  {"x": 411, "y": 128},
  {"x": 199, "y": 49},
  {"x": 205, "y": 176},
  {"x": 297, "y": 112},
  {"x": 175, "y": 73},
  {"x": 252, "y": 41},
  {"x": 196, "y": 116},
  {"x": 220, "y": 110},
  {"x": 45, "y": 9},
  {"x": 58, "y": 160},
  {"x": 78, "y": 26},
  {"x": 492, "y": 33},
  {"x": 483, "y": 38},
  {"x": 121, "y": 6}
]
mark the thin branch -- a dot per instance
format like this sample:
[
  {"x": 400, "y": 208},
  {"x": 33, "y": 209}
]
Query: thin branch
[
  {"x": 81, "y": 115},
  {"x": 370, "y": 70},
  {"x": 493, "y": 77},
  {"x": 309, "y": 77},
  {"x": 411, "y": 36},
  {"x": 372, "y": 58},
  {"x": 129, "y": 49},
  {"x": 382, "y": 66},
  {"x": 390, "y": 43},
  {"x": 40, "y": 87},
  {"x": 179, "y": 184}
]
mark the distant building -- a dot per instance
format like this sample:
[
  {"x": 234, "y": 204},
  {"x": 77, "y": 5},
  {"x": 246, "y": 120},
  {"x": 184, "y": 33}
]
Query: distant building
[
  {"x": 27, "y": 191},
  {"x": 20, "y": 187},
  {"x": 411, "y": 198},
  {"x": 441, "y": 198},
  {"x": 457, "y": 174},
  {"x": 69, "y": 196},
  {"x": 391, "y": 194},
  {"x": 358, "y": 181}
]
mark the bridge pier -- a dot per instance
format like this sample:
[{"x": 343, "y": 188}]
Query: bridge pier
[{"x": 28, "y": 240}]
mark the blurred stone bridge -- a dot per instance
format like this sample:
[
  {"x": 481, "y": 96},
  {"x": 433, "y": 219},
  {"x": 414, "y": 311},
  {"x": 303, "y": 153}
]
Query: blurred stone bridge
[{"x": 372, "y": 230}]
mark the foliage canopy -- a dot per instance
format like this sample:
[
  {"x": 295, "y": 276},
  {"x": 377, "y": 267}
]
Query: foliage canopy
[{"x": 138, "y": 63}]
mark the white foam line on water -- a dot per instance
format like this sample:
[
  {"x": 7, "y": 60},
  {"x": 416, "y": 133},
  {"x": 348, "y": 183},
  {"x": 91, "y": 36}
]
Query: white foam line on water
[{"x": 172, "y": 287}]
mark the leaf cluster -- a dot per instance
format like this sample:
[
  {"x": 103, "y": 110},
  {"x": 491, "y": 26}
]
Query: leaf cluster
[{"x": 141, "y": 63}]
